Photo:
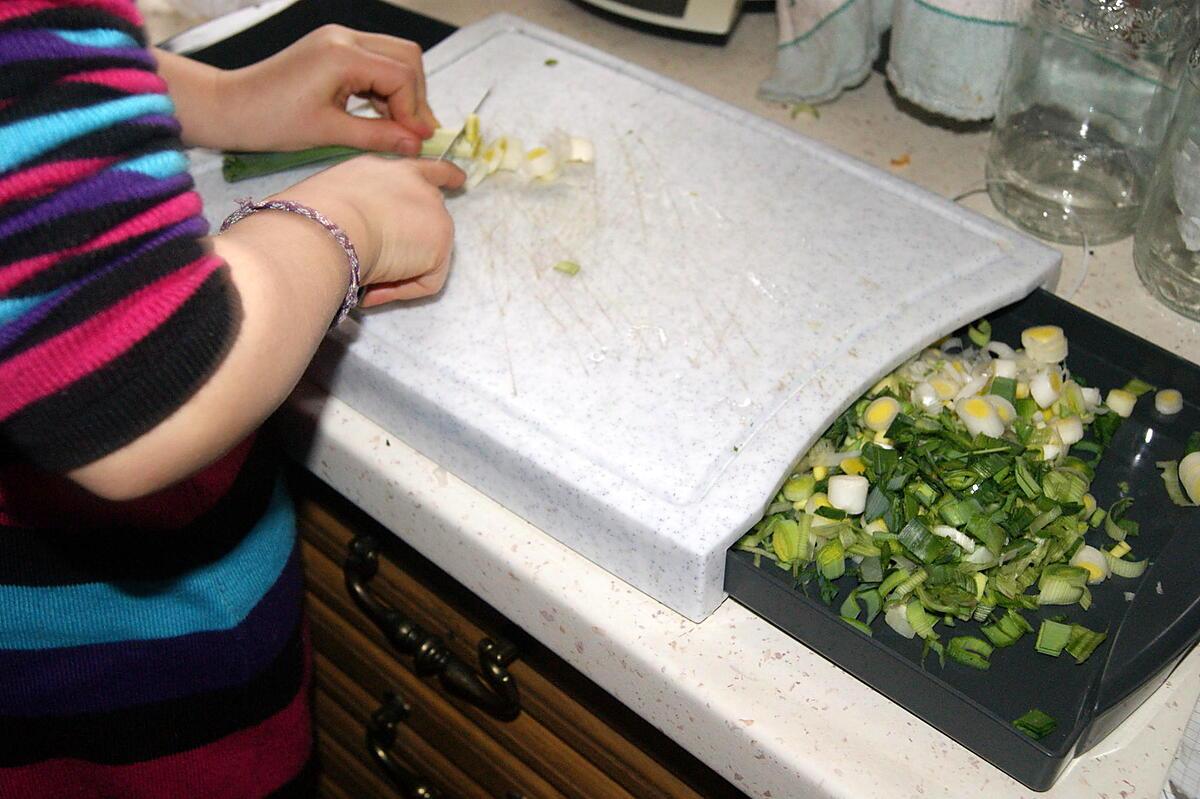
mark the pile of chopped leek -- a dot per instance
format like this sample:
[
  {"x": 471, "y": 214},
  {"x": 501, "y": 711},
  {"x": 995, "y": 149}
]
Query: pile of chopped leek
[
  {"x": 958, "y": 489},
  {"x": 542, "y": 163}
]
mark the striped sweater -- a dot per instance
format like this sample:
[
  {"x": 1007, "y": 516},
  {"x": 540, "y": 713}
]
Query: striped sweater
[{"x": 149, "y": 648}]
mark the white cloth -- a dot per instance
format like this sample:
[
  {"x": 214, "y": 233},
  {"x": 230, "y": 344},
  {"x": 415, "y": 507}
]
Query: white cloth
[{"x": 948, "y": 56}]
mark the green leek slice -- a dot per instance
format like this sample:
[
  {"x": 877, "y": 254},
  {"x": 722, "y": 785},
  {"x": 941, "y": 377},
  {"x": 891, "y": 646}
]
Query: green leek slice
[
  {"x": 1036, "y": 724},
  {"x": 1052, "y": 638},
  {"x": 969, "y": 651},
  {"x": 1083, "y": 642}
]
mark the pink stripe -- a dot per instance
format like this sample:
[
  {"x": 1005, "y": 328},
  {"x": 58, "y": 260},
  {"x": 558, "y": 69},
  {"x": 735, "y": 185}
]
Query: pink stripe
[
  {"x": 92, "y": 344},
  {"x": 20, "y": 8},
  {"x": 134, "y": 81},
  {"x": 246, "y": 764},
  {"x": 173, "y": 210},
  {"x": 40, "y": 180}
]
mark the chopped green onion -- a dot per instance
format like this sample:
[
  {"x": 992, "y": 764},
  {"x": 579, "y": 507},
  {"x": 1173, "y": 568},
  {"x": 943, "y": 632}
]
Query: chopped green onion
[
  {"x": 799, "y": 489},
  {"x": 1008, "y": 629},
  {"x": 969, "y": 651},
  {"x": 1170, "y": 478},
  {"x": 1052, "y": 638},
  {"x": 1036, "y": 724},
  {"x": 786, "y": 540},
  {"x": 980, "y": 334},
  {"x": 858, "y": 625},
  {"x": 1061, "y": 585},
  {"x": 1112, "y": 521},
  {"x": 910, "y": 584},
  {"x": 1083, "y": 642},
  {"x": 1138, "y": 387},
  {"x": 1064, "y": 485},
  {"x": 1125, "y": 568},
  {"x": 923, "y": 544},
  {"x": 567, "y": 268},
  {"x": 831, "y": 559},
  {"x": 921, "y": 622},
  {"x": 1005, "y": 388},
  {"x": 871, "y": 599},
  {"x": 1044, "y": 519}
]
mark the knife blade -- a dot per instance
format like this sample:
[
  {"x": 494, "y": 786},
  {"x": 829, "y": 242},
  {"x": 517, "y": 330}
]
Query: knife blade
[{"x": 463, "y": 131}]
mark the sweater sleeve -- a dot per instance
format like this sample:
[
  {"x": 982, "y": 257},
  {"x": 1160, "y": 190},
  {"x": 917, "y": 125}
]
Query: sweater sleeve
[{"x": 112, "y": 312}]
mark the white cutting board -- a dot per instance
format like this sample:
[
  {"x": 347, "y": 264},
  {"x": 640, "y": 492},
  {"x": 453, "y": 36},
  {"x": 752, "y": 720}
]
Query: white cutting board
[{"x": 740, "y": 286}]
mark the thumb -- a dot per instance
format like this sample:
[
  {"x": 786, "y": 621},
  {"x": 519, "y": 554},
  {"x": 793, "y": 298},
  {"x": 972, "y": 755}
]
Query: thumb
[
  {"x": 442, "y": 174},
  {"x": 373, "y": 135}
]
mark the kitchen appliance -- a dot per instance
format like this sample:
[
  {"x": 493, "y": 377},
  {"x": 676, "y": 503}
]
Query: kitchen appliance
[{"x": 698, "y": 16}]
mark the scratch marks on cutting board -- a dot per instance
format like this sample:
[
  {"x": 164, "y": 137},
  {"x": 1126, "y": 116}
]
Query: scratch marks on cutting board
[{"x": 501, "y": 307}]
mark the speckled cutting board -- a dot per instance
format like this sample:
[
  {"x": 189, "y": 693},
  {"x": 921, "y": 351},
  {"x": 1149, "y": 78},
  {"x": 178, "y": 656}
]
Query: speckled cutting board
[{"x": 740, "y": 285}]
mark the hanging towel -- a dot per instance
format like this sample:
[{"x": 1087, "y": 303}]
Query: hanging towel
[{"x": 948, "y": 56}]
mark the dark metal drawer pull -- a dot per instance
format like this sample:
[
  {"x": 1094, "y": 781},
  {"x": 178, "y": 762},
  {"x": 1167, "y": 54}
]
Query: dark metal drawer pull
[
  {"x": 381, "y": 736},
  {"x": 494, "y": 692}
]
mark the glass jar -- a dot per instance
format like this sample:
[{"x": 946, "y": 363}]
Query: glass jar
[
  {"x": 1166, "y": 243},
  {"x": 1072, "y": 144}
]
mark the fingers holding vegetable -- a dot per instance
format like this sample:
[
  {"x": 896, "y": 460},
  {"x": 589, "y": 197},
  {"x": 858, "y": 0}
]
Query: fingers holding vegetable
[
  {"x": 404, "y": 52},
  {"x": 297, "y": 98}
]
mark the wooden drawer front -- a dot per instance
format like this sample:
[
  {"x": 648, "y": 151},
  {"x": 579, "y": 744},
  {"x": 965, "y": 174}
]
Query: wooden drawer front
[
  {"x": 440, "y": 726},
  {"x": 559, "y": 738},
  {"x": 344, "y": 710},
  {"x": 521, "y": 747}
]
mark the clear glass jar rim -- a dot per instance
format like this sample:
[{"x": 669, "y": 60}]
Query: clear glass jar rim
[{"x": 1162, "y": 23}]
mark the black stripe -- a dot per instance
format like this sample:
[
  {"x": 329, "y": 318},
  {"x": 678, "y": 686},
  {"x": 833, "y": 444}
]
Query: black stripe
[
  {"x": 58, "y": 97},
  {"x": 105, "y": 410},
  {"x": 302, "y": 786},
  {"x": 55, "y": 557},
  {"x": 30, "y": 77},
  {"x": 111, "y": 142},
  {"x": 13, "y": 208},
  {"x": 102, "y": 292},
  {"x": 146, "y": 732},
  {"x": 73, "y": 230},
  {"x": 74, "y": 19}
]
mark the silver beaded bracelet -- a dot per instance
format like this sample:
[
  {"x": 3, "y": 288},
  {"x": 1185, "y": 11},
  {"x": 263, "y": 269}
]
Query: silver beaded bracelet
[{"x": 247, "y": 206}]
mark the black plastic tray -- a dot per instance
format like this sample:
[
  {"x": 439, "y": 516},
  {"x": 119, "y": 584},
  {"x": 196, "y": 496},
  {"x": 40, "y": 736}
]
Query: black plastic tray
[{"x": 1148, "y": 636}]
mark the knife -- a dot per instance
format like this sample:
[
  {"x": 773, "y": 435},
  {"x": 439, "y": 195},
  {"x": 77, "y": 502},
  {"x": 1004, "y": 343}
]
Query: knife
[{"x": 463, "y": 131}]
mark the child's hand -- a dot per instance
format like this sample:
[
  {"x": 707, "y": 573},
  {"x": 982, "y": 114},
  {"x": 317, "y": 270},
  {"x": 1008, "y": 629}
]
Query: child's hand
[
  {"x": 395, "y": 215},
  {"x": 297, "y": 98}
]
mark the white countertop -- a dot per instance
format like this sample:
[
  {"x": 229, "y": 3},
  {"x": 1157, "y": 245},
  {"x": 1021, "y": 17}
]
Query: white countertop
[{"x": 769, "y": 714}]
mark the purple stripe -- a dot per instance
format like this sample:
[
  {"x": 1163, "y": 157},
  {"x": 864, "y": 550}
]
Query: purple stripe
[
  {"x": 196, "y": 227},
  {"x": 33, "y": 45},
  {"x": 106, "y": 188},
  {"x": 158, "y": 120},
  {"x": 104, "y": 677}
]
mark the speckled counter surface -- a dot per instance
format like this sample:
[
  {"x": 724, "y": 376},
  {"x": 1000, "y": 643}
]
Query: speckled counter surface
[{"x": 773, "y": 717}]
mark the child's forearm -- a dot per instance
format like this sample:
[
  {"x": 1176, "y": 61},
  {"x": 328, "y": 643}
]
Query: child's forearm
[
  {"x": 196, "y": 90},
  {"x": 291, "y": 277}
]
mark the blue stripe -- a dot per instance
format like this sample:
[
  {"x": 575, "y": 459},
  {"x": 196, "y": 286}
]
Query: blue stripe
[
  {"x": 10, "y": 309},
  {"x": 162, "y": 165},
  {"x": 215, "y": 597},
  {"x": 97, "y": 37},
  {"x": 29, "y": 138}
]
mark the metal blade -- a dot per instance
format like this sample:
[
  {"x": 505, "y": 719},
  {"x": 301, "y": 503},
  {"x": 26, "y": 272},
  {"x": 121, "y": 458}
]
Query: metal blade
[{"x": 463, "y": 131}]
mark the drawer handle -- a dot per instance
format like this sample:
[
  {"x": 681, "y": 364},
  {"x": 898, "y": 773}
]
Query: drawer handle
[
  {"x": 494, "y": 692},
  {"x": 381, "y": 736}
]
